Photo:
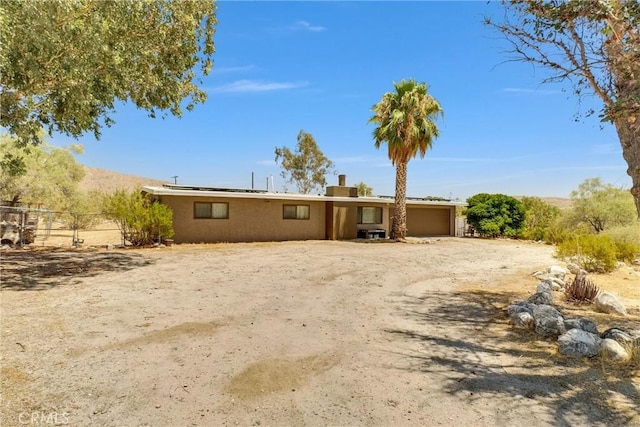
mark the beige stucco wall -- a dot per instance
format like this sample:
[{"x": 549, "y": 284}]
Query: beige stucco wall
[
  {"x": 430, "y": 221},
  {"x": 344, "y": 224},
  {"x": 250, "y": 220}
]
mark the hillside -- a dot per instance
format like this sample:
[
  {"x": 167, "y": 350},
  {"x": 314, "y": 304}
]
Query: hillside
[{"x": 108, "y": 181}]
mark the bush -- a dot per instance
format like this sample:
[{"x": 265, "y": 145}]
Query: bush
[
  {"x": 540, "y": 218},
  {"x": 626, "y": 251},
  {"x": 627, "y": 241},
  {"x": 495, "y": 215},
  {"x": 142, "y": 221},
  {"x": 592, "y": 253}
]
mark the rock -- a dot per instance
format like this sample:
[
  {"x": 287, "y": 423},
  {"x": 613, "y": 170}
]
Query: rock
[
  {"x": 575, "y": 269},
  {"x": 557, "y": 271},
  {"x": 519, "y": 307},
  {"x": 612, "y": 350},
  {"x": 549, "y": 322},
  {"x": 618, "y": 335},
  {"x": 523, "y": 319},
  {"x": 579, "y": 343},
  {"x": 541, "y": 298},
  {"x": 584, "y": 324},
  {"x": 544, "y": 287},
  {"x": 553, "y": 281},
  {"x": 607, "y": 302}
]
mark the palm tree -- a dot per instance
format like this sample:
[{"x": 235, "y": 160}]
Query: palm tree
[{"x": 406, "y": 122}]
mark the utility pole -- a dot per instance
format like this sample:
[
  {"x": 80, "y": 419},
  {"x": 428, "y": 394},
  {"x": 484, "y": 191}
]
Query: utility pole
[{"x": 175, "y": 179}]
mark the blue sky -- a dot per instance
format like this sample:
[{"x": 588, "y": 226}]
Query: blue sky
[{"x": 319, "y": 66}]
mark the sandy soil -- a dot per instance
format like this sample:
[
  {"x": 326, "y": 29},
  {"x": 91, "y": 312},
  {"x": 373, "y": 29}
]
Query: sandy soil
[{"x": 297, "y": 333}]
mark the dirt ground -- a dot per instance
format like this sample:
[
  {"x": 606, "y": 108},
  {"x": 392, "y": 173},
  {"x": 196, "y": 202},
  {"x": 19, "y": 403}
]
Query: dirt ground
[{"x": 298, "y": 333}]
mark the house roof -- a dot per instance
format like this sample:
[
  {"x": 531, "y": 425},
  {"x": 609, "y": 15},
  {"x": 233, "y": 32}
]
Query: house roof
[{"x": 197, "y": 191}]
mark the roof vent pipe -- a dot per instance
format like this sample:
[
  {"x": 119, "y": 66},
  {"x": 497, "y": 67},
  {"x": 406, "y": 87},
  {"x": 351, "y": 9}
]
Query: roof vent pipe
[{"x": 342, "y": 180}]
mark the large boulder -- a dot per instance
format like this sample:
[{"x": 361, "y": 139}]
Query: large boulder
[
  {"x": 611, "y": 350},
  {"x": 549, "y": 322},
  {"x": 607, "y": 302},
  {"x": 579, "y": 343},
  {"x": 618, "y": 335},
  {"x": 584, "y": 324},
  {"x": 545, "y": 297},
  {"x": 521, "y": 314},
  {"x": 544, "y": 287}
]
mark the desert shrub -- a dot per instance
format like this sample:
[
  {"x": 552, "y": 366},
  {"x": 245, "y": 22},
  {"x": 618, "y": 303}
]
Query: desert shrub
[
  {"x": 627, "y": 240},
  {"x": 540, "y": 218},
  {"x": 142, "y": 221},
  {"x": 581, "y": 290},
  {"x": 592, "y": 253},
  {"x": 557, "y": 233},
  {"x": 495, "y": 215},
  {"x": 626, "y": 251}
]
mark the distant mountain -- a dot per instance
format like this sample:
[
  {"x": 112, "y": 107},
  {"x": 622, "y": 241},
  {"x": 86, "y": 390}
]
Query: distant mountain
[
  {"x": 108, "y": 181},
  {"x": 559, "y": 202}
]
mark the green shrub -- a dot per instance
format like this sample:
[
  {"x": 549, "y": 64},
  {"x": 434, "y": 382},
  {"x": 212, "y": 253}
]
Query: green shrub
[
  {"x": 556, "y": 234},
  {"x": 592, "y": 253},
  {"x": 494, "y": 215},
  {"x": 627, "y": 241},
  {"x": 626, "y": 251},
  {"x": 540, "y": 218},
  {"x": 142, "y": 221}
]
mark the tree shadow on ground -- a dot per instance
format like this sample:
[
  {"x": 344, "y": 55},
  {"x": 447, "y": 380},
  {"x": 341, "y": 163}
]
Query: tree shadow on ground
[
  {"x": 494, "y": 359},
  {"x": 23, "y": 270}
]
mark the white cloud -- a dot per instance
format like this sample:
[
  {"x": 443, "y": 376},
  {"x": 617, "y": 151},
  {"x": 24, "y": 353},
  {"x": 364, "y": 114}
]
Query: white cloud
[
  {"x": 305, "y": 26},
  {"x": 247, "y": 86}
]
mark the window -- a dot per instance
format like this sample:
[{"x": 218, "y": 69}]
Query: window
[
  {"x": 295, "y": 212},
  {"x": 369, "y": 215},
  {"x": 211, "y": 210}
]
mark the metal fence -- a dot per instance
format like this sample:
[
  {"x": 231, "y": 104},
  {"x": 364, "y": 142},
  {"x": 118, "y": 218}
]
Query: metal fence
[{"x": 21, "y": 226}]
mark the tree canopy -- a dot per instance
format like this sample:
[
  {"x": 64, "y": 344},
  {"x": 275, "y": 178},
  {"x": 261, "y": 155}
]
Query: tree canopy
[
  {"x": 51, "y": 178},
  {"x": 405, "y": 121},
  {"x": 494, "y": 215},
  {"x": 364, "y": 190},
  {"x": 593, "y": 44},
  {"x": 64, "y": 64},
  {"x": 307, "y": 166},
  {"x": 601, "y": 206}
]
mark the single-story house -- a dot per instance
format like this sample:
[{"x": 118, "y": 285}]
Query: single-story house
[{"x": 208, "y": 215}]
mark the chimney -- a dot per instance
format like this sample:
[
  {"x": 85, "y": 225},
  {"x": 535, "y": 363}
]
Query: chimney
[{"x": 342, "y": 180}]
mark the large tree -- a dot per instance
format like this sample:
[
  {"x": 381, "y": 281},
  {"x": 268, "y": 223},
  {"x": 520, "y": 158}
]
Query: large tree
[
  {"x": 601, "y": 206},
  {"x": 595, "y": 44},
  {"x": 406, "y": 123},
  {"x": 64, "y": 64},
  {"x": 51, "y": 177},
  {"x": 307, "y": 166}
]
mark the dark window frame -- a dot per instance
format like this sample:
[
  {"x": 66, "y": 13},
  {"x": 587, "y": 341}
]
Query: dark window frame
[
  {"x": 377, "y": 215},
  {"x": 211, "y": 210},
  {"x": 297, "y": 217}
]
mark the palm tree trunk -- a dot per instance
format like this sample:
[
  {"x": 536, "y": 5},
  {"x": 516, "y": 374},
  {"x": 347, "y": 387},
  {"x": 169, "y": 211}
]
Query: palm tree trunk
[
  {"x": 629, "y": 135},
  {"x": 399, "y": 226}
]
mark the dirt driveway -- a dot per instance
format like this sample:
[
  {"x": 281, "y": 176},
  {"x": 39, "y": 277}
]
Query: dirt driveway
[{"x": 296, "y": 333}]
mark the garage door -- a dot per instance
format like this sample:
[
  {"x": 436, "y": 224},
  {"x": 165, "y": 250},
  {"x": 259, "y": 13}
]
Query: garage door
[{"x": 428, "y": 222}]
